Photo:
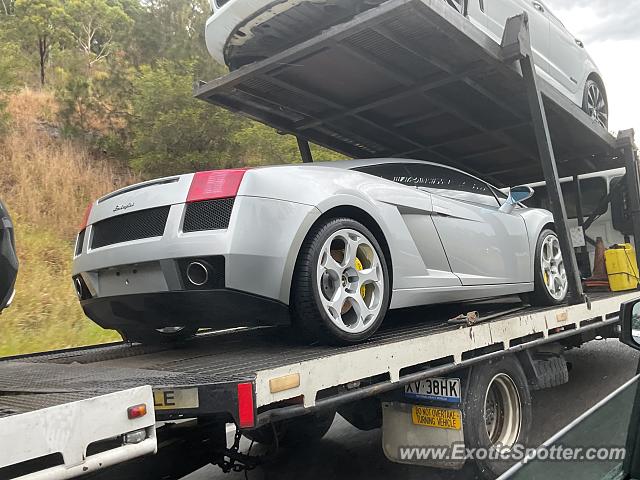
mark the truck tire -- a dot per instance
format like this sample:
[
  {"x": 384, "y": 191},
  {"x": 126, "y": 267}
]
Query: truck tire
[
  {"x": 293, "y": 432},
  {"x": 365, "y": 414},
  {"x": 551, "y": 372},
  {"x": 341, "y": 285},
  {"x": 497, "y": 411},
  {"x": 160, "y": 335},
  {"x": 550, "y": 278}
]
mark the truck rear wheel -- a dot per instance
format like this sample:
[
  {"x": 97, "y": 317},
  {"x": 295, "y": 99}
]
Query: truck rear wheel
[
  {"x": 293, "y": 432},
  {"x": 497, "y": 409}
]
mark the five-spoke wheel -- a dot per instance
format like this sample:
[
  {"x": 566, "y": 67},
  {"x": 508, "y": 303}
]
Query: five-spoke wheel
[
  {"x": 341, "y": 287},
  {"x": 550, "y": 277},
  {"x": 555, "y": 277},
  {"x": 350, "y": 279}
]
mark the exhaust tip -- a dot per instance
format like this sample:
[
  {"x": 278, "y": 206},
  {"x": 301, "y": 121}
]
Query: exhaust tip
[
  {"x": 198, "y": 273},
  {"x": 79, "y": 287}
]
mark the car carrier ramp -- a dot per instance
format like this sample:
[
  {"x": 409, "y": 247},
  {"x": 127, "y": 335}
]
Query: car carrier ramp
[{"x": 414, "y": 79}]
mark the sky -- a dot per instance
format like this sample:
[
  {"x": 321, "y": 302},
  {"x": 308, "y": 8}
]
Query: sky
[{"x": 610, "y": 30}]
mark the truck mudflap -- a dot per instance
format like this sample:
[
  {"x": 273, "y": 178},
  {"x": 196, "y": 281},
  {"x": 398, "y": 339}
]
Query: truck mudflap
[{"x": 72, "y": 439}]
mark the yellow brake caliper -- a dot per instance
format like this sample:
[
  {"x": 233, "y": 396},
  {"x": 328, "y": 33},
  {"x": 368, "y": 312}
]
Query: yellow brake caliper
[{"x": 359, "y": 267}]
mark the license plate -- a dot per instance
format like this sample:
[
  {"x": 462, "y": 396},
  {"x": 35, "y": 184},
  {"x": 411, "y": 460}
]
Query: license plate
[
  {"x": 436, "y": 417},
  {"x": 173, "y": 399},
  {"x": 441, "y": 389}
]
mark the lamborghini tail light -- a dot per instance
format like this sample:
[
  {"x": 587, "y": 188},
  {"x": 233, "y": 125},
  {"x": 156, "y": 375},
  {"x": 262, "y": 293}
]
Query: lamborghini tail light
[
  {"x": 85, "y": 217},
  {"x": 215, "y": 184}
]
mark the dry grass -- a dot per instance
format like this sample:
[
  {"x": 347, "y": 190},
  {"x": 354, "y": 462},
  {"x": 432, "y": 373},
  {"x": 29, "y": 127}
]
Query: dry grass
[
  {"x": 47, "y": 182},
  {"x": 45, "y": 313}
]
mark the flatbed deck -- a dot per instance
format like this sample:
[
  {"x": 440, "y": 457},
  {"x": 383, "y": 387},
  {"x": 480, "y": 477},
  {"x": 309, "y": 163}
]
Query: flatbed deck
[{"x": 410, "y": 343}]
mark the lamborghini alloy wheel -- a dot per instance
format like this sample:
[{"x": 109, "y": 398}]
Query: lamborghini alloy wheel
[
  {"x": 341, "y": 285},
  {"x": 350, "y": 280},
  {"x": 550, "y": 282}
]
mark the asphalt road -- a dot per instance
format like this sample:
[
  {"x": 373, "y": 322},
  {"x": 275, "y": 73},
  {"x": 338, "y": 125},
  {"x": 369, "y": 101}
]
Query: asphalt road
[{"x": 347, "y": 453}]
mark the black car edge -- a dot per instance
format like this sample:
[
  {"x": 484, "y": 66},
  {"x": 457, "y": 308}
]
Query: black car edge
[{"x": 8, "y": 258}]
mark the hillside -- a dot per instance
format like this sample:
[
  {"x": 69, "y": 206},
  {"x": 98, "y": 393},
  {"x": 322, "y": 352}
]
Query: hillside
[
  {"x": 47, "y": 182},
  {"x": 78, "y": 119}
]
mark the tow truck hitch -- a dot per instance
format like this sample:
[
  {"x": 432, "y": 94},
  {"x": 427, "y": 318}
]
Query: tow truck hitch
[{"x": 235, "y": 461}]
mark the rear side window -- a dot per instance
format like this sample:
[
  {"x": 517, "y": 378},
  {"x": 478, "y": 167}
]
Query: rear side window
[
  {"x": 396, "y": 172},
  {"x": 436, "y": 179},
  {"x": 592, "y": 190},
  {"x": 451, "y": 183}
]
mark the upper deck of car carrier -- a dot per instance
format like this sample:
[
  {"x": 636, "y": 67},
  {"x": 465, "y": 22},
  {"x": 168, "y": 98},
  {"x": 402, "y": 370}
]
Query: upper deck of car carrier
[{"x": 415, "y": 79}]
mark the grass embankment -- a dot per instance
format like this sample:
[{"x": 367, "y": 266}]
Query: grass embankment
[{"x": 47, "y": 182}]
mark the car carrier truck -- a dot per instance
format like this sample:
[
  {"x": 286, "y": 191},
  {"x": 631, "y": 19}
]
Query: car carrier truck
[{"x": 409, "y": 78}]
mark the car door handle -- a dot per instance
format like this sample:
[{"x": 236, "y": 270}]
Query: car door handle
[
  {"x": 538, "y": 6},
  {"x": 579, "y": 43}
]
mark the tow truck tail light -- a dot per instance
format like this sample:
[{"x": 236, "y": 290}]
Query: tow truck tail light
[
  {"x": 215, "y": 184},
  {"x": 137, "y": 411},
  {"x": 245, "y": 405},
  {"x": 85, "y": 217}
]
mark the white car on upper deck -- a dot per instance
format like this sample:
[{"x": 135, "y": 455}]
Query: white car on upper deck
[{"x": 244, "y": 31}]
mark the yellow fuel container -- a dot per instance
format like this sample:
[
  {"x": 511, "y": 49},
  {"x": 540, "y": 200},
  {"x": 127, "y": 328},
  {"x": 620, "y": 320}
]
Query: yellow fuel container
[{"x": 622, "y": 268}]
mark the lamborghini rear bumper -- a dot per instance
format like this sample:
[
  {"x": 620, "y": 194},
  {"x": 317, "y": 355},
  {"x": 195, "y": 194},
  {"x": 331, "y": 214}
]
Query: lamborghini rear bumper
[{"x": 218, "y": 308}]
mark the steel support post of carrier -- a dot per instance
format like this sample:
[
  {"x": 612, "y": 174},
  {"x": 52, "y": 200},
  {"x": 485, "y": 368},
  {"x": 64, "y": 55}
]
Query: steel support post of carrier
[
  {"x": 305, "y": 150},
  {"x": 516, "y": 45},
  {"x": 627, "y": 148}
]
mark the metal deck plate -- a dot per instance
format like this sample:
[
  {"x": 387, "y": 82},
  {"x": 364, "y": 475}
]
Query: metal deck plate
[
  {"x": 413, "y": 79},
  {"x": 35, "y": 381}
]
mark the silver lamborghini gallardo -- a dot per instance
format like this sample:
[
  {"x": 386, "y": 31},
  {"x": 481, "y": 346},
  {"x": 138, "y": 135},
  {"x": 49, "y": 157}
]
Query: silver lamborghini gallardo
[{"x": 328, "y": 246}]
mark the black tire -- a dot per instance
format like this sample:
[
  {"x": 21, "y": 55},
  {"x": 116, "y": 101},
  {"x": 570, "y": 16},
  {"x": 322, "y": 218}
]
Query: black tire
[
  {"x": 294, "y": 432},
  {"x": 307, "y": 311},
  {"x": 475, "y": 426},
  {"x": 585, "y": 100},
  {"x": 150, "y": 335},
  {"x": 540, "y": 295}
]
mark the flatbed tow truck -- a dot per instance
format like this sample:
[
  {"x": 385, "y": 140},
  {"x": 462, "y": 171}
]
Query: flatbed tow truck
[{"x": 409, "y": 78}]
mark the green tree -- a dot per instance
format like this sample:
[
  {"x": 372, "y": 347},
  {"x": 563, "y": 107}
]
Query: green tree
[
  {"x": 7, "y": 7},
  {"x": 40, "y": 24},
  {"x": 174, "y": 133},
  {"x": 11, "y": 63},
  {"x": 260, "y": 144},
  {"x": 96, "y": 26},
  {"x": 174, "y": 30}
]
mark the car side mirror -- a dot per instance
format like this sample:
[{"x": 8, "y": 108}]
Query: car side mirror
[
  {"x": 630, "y": 317},
  {"x": 516, "y": 195}
]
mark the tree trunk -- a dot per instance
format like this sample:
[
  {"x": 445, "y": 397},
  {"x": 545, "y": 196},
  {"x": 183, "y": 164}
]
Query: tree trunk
[{"x": 43, "y": 50}]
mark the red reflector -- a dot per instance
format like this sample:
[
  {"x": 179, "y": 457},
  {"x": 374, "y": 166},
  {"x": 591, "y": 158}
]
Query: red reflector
[
  {"x": 215, "y": 184},
  {"x": 245, "y": 405},
  {"x": 137, "y": 411},
  {"x": 85, "y": 217}
]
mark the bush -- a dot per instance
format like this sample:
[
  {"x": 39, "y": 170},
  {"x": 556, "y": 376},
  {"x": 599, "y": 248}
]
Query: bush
[{"x": 173, "y": 132}]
